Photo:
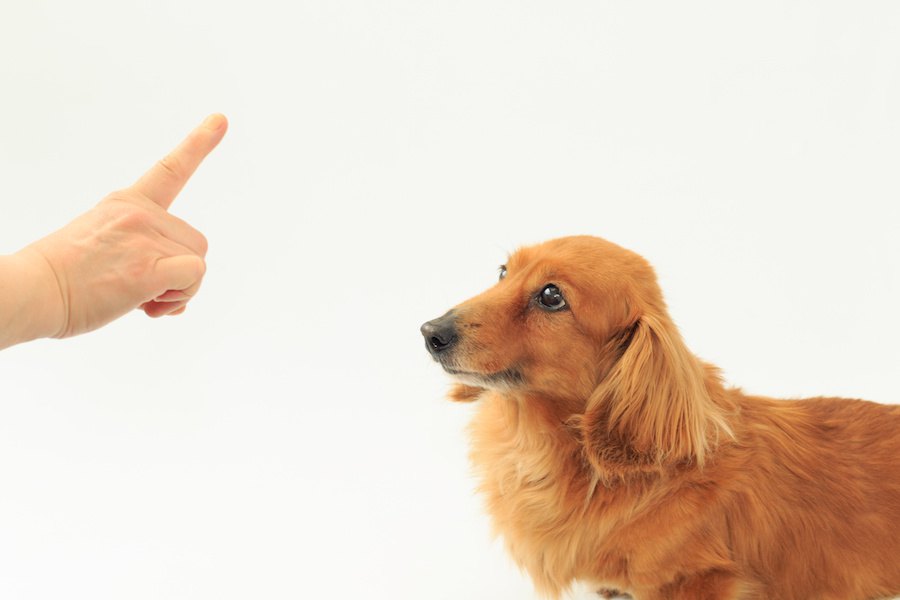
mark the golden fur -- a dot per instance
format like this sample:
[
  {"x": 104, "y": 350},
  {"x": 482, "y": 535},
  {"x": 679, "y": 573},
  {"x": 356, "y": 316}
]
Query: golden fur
[{"x": 610, "y": 455}]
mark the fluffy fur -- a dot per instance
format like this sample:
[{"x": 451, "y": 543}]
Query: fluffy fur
[{"x": 609, "y": 454}]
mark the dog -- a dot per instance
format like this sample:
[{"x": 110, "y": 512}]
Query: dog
[{"x": 609, "y": 455}]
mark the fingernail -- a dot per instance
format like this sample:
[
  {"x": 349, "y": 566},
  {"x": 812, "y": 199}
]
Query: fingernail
[{"x": 213, "y": 122}]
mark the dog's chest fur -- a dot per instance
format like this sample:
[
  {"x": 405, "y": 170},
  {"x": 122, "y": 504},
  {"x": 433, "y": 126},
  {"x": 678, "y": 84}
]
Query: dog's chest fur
[{"x": 536, "y": 486}]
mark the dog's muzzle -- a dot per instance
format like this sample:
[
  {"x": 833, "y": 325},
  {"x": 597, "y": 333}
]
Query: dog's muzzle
[{"x": 440, "y": 334}]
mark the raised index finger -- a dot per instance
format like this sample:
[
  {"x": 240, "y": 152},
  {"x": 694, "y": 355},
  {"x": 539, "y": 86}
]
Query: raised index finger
[{"x": 166, "y": 178}]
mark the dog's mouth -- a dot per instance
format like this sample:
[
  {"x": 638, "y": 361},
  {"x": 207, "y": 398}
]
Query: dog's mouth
[{"x": 505, "y": 379}]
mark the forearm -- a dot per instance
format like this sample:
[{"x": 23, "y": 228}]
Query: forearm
[{"x": 29, "y": 298}]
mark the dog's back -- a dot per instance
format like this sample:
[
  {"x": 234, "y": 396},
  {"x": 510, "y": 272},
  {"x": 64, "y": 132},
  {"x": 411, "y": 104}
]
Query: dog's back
[{"x": 814, "y": 495}]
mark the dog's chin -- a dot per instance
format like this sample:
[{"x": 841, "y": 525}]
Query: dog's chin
[{"x": 501, "y": 380}]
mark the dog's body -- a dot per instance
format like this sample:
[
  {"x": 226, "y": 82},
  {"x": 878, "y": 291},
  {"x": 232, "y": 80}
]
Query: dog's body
[{"x": 610, "y": 455}]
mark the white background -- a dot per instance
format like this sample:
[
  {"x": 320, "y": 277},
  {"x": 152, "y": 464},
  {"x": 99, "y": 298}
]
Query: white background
[{"x": 287, "y": 437}]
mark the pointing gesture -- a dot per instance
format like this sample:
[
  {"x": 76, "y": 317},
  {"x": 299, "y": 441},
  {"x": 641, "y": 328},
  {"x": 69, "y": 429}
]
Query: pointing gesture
[
  {"x": 127, "y": 252},
  {"x": 163, "y": 182}
]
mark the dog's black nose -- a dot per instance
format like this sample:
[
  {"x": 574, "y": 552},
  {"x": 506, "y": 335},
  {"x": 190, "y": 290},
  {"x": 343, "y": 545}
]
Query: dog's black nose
[{"x": 440, "y": 334}]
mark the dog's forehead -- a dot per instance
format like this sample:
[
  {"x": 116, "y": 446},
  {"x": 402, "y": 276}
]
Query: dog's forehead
[
  {"x": 585, "y": 267},
  {"x": 569, "y": 252}
]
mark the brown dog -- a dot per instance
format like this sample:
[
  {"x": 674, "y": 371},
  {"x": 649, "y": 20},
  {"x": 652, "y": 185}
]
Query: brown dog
[{"x": 611, "y": 455}]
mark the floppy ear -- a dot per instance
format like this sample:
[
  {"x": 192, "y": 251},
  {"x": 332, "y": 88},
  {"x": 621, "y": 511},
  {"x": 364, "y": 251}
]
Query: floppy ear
[
  {"x": 653, "y": 408},
  {"x": 464, "y": 393}
]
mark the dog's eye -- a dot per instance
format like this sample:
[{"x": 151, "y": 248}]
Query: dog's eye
[
  {"x": 551, "y": 298},
  {"x": 502, "y": 272}
]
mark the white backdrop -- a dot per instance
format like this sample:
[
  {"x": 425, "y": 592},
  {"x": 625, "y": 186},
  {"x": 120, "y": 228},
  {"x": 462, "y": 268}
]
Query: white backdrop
[{"x": 287, "y": 436}]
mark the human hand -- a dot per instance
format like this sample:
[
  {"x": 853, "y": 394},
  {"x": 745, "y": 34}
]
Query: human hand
[{"x": 127, "y": 252}]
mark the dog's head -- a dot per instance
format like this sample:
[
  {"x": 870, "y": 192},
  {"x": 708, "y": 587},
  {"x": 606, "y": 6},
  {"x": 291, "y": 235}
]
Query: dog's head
[
  {"x": 553, "y": 322},
  {"x": 580, "y": 324}
]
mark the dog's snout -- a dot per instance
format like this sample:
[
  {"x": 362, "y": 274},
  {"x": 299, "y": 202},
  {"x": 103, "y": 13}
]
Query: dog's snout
[{"x": 440, "y": 334}]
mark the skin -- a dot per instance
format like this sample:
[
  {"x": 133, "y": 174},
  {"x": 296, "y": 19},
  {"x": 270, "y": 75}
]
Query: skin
[{"x": 127, "y": 252}]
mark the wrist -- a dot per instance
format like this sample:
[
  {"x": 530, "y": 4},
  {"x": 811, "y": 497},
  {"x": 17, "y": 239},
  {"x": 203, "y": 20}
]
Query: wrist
[{"x": 31, "y": 300}]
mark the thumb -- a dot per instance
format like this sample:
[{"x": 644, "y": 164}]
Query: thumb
[{"x": 177, "y": 273}]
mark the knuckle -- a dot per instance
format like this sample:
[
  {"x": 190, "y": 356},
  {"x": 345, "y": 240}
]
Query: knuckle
[
  {"x": 121, "y": 195},
  {"x": 202, "y": 244},
  {"x": 133, "y": 218},
  {"x": 171, "y": 166},
  {"x": 201, "y": 269},
  {"x": 137, "y": 270}
]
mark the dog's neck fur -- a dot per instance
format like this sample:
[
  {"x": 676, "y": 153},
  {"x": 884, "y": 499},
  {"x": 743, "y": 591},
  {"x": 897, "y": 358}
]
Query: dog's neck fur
[
  {"x": 530, "y": 466},
  {"x": 530, "y": 457}
]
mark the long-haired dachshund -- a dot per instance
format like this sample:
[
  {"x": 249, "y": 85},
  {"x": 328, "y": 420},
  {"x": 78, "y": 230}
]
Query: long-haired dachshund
[{"x": 610, "y": 455}]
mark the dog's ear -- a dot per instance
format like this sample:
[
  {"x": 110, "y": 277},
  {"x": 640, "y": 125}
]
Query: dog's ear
[
  {"x": 653, "y": 408},
  {"x": 464, "y": 393}
]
